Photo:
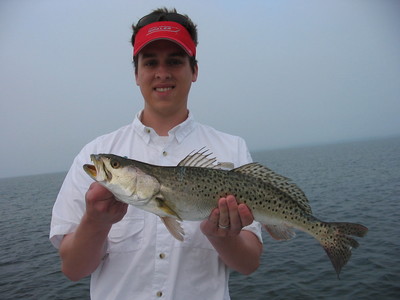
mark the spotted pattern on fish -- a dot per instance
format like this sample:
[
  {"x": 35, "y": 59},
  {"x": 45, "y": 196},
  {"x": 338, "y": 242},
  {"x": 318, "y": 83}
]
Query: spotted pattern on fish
[{"x": 283, "y": 183}]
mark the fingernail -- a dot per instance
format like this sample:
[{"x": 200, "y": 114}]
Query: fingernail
[{"x": 231, "y": 200}]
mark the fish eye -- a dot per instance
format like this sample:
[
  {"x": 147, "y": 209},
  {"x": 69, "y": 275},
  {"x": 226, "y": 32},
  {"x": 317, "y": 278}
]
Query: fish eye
[{"x": 115, "y": 164}]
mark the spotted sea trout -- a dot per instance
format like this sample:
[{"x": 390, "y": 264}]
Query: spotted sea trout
[{"x": 190, "y": 191}]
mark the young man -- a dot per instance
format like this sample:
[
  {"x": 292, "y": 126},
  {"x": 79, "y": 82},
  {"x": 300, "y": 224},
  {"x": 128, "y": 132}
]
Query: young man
[{"x": 128, "y": 252}]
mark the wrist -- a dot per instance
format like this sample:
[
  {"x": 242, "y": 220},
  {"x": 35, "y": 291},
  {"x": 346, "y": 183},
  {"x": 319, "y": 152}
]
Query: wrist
[
  {"x": 223, "y": 240},
  {"x": 95, "y": 225}
]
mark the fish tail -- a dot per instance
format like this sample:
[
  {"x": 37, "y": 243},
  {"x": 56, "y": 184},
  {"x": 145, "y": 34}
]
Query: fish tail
[{"x": 337, "y": 242}]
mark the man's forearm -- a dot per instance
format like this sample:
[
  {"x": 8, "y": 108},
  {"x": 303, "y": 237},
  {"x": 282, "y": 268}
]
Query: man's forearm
[
  {"x": 241, "y": 253},
  {"x": 82, "y": 251}
]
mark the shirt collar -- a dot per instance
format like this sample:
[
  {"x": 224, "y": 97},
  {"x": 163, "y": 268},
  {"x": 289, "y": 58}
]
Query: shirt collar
[{"x": 179, "y": 132}]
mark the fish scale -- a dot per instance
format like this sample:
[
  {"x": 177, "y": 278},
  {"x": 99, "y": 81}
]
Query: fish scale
[{"x": 191, "y": 190}]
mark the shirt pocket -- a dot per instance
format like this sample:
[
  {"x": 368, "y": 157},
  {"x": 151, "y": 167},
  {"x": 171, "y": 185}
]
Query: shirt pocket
[{"x": 127, "y": 234}]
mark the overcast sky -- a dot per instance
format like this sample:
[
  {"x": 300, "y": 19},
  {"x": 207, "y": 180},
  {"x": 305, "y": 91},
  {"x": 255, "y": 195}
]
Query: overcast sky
[{"x": 278, "y": 73}]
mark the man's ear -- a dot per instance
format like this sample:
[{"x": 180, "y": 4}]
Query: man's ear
[
  {"x": 136, "y": 78},
  {"x": 195, "y": 73}
]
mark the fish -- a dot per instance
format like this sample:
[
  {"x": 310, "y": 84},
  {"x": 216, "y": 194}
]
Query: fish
[{"x": 191, "y": 190}]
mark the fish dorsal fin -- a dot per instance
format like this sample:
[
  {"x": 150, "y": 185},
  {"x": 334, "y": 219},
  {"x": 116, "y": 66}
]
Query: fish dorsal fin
[
  {"x": 201, "y": 159},
  {"x": 283, "y": 183}
]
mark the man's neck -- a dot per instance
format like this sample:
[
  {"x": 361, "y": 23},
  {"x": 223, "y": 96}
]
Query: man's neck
[{"x": 162, "y": 124}]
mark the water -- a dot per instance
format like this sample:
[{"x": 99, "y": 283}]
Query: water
[
  {"x": 357, "y": 182},
  {"x": 29, "y": 265}
]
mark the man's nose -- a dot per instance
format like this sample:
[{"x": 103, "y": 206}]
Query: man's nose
[{"x": 163, "y": 72}]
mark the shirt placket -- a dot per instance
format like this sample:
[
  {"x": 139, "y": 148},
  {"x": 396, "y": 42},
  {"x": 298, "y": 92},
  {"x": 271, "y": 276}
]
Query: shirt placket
[
  {"x": 164, "y": 239},
  {"x": 162, "y": 261}
]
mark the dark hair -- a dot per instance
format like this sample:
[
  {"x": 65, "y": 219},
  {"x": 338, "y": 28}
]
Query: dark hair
[{"x": 161, "y": 14}]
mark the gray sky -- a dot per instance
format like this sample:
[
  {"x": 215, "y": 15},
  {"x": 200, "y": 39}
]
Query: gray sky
[{"x": 278, "y": 73}]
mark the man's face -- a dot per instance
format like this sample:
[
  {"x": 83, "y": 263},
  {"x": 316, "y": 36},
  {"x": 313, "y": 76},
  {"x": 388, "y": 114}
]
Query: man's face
[{"x": 165, "y": 76}]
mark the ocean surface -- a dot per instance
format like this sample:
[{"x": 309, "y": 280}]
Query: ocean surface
[{"x": 355, "y": 182}]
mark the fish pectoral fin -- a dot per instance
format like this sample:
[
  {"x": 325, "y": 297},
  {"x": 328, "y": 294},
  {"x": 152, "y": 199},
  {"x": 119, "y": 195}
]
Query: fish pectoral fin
[
  {"x": 280, "y": 232},
  {"x": 163, "y": 206},
  {"x": 172, "y": 221},
  {"x": 174, "y": 227}
]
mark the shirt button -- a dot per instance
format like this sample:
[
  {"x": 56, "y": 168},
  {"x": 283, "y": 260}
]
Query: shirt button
[
  {"x": 165, "y": 153},
  {"x": 159, "y": 294},
  {"x": 148, "y": 130},
  {"x": 162, "y": 255}
]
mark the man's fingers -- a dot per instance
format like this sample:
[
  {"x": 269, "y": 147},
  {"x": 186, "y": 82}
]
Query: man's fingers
[
  {"x": 223, "y": 221},
  {"x": 97, "y": 192},
  {"x": 245, "y": 215},
  {"x": 228, "y": 218},
  {"x": 234, "y": 218}
]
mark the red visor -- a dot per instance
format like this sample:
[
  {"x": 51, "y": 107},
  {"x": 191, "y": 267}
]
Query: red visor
[{"x": 165, "y": 30}]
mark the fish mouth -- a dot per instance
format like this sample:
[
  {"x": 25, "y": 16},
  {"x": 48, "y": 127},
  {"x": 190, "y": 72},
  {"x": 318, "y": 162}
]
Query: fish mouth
[
  {"x": 94, "y": 170},
  {"x": 91, "y": 170},
  {"x": 98, "y": 171}
]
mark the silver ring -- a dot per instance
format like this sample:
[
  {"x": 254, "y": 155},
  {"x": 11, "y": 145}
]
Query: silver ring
[{"x": 224, "y": 227}]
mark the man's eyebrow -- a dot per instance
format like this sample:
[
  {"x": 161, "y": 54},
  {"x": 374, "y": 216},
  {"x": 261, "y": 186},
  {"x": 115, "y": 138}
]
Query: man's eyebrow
[
  {"x": 180, "y": 54},
  {"x": 148, "y": 55}
]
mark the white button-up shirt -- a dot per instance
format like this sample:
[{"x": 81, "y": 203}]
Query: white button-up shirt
[{"x": 143, "y": 260}]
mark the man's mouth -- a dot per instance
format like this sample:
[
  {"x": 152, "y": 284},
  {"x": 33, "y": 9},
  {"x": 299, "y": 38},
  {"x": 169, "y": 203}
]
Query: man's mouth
[{"x": 163, "y": 89}]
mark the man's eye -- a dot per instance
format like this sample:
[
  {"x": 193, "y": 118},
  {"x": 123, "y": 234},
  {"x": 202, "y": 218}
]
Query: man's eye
[
  {"x": 175, "y": 62},
  {"x": 150, "y": 63}
]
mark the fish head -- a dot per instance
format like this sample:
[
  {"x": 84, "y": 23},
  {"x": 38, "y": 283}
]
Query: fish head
[{"x": 123, "y": 178}]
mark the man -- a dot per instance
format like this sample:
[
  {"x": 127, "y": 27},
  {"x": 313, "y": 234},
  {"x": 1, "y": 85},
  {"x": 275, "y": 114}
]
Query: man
[{"x": 128, "y": 252}]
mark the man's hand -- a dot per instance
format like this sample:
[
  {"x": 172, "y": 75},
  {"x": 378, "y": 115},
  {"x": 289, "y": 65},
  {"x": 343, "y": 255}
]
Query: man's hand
[
  {"x": 239, "y": 249},
  {"x": 102, "y": 207},
  {"x": 228, "y": 219}
]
